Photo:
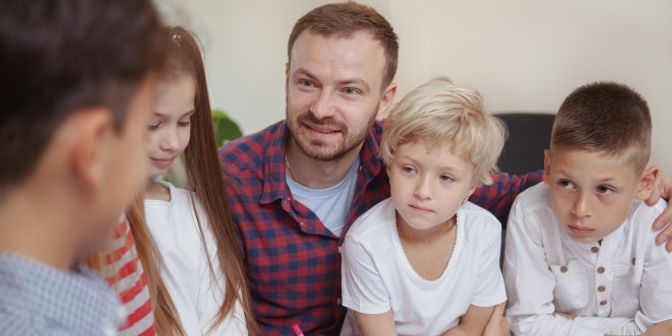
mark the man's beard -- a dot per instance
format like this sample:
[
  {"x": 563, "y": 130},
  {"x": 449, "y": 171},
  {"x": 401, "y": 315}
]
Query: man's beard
[{"x": 320, "y": 150}]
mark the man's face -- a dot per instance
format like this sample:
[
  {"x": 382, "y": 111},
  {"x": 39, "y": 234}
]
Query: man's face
[{"x": 334, "y": 92}]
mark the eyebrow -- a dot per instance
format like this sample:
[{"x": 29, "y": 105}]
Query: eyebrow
[
  {"x": 441, "y": 168},
  {"x": 349, "y": 81},
  {"x": 185, "y": 114},
  {"x": 601, "y": 180}
]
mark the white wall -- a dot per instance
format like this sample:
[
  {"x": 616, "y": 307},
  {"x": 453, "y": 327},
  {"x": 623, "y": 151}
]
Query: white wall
[{"x": 523, "y": 55}]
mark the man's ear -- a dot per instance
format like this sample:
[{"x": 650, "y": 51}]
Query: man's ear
[
  {"x": 89, "y": 132},
  {"x": 547, "y": 166},
  {"x": 647, "y": 182},
  {"x": 386, "y": 100}
]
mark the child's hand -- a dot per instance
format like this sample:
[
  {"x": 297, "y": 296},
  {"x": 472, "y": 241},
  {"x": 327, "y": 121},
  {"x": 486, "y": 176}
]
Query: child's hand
[
  {"x": 497, "y": 325},
  {"x": 660, "y": 329}
]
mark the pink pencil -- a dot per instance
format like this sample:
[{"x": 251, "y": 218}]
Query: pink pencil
[{"x": 297, "y": 329}]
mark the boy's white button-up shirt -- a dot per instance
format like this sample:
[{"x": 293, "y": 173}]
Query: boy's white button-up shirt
[{"x": 622, "y": 286}]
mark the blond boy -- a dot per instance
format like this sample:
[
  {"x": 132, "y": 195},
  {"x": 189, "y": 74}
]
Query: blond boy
[
  {"x": 580, "y": 256},
  {"x": 426, "y": 260}
]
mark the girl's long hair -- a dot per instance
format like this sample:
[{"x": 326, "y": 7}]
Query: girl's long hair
[
  {"x": 166, "y": 319},
  {"x": 205, "y": 179}
]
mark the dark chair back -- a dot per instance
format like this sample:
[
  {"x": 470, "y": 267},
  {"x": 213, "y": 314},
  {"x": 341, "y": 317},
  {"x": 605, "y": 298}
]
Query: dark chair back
[{"x": 529, "y": 135}]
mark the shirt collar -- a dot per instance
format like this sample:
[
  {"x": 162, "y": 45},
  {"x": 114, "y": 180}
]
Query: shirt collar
[
  {"x": 275, "y": 185},
  {"x": 77, "y": 300}
]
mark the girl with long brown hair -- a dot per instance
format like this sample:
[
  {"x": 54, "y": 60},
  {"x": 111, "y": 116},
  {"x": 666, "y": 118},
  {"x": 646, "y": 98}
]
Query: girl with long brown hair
[{"x": 192, "y": 228}]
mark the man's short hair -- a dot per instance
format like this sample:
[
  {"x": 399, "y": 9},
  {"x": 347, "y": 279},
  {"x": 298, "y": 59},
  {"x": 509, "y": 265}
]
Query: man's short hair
[
  {"x": 439, "y": 113},
  {"x": 605, "y": 117},
  {"x": 61, "y": 55},
  {"x": 345, "y": 19}
]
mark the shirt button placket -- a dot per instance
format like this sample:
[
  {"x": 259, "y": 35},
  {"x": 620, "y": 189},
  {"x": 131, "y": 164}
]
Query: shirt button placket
[{"x": 601, "y": 279}]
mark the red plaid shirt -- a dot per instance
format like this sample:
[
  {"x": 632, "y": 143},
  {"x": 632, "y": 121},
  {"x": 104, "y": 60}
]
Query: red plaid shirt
[{"x": 292, "y": 259}]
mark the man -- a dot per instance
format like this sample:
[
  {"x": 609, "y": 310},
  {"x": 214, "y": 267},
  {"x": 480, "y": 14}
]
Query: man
[{"x": 296, "y": 186}]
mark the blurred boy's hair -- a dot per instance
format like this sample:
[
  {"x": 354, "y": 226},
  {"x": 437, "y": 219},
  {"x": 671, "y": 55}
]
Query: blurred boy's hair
[{"x": 58, "y": 56}]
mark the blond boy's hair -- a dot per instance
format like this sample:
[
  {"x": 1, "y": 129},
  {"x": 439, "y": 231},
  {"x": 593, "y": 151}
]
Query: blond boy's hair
[{"x": 439, "y": 114}]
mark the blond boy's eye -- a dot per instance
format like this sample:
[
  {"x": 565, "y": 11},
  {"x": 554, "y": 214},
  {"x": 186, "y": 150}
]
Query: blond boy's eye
[
  {"x": 446, "y": 178},
  {"x": 408, "y": 169}
]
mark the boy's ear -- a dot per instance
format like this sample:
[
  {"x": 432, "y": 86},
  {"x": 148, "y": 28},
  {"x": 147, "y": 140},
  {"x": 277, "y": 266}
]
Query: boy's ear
[
  {"x": 646, "y": 183},
  {"x": 547, "y": 166},
  {"x": 386, "y": 100},
  {"x": 89, "y": 132}
]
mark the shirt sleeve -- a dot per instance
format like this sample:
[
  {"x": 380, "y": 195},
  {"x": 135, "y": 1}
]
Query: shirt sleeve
[
  {"x": 498, "y": 196},
  {"x": 490, "y": 289},
  {"x": 362, "y": 284},
  {"x": 530, "y": 283}
]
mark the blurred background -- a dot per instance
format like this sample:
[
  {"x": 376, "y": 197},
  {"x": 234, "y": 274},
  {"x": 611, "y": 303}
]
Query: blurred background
[{"x": 522, "y": 55}]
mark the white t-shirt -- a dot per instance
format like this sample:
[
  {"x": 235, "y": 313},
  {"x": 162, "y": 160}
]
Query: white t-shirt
[
  {"x": 622, "y": 286},
  {"x": 330, "y": 204},
  {"x": 378, "y": 277},
  {"x": 197, "y": 296}
]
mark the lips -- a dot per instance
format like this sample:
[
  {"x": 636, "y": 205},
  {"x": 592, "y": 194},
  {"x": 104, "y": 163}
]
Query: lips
[
  {"x": 162, "y": 163},
  {"x": 321, "y": 129},
  {"x": 420, "y": 208},
  {"x": 579, "y": 231}
]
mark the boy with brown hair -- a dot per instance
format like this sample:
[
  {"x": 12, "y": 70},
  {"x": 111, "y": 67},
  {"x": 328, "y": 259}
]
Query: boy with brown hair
[
  {"x": 77, "y": 89},
  {"x": 580, "y": 256}
]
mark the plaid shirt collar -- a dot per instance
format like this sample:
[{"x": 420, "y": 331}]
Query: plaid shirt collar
[{"x": 275, "y": 185}]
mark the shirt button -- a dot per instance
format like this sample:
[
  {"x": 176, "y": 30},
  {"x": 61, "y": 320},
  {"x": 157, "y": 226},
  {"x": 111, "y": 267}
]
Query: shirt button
[
  {"x": 594, "y": 249},
  {"x": 601, "y": 289},
  {"x": 600, "y": 270},
  {"x": 633, "y": 260},
  {"x": 563, "y": 269},
  {"x": 603, "y": 302}
]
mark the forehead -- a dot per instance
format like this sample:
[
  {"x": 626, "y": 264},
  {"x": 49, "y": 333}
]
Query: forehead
[
  {"x": 339, "y": 57},
  {"x": 175, "y": 94},
  {"x": 440, "y": 154},
  {"x": 596, "y": 164}
]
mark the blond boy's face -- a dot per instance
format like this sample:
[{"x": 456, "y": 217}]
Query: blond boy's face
[
  {"x": 591, "y": 193},
  {"x": 428, "y": 184}
]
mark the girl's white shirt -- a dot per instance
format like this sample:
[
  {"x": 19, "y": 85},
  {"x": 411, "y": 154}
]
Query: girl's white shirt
[{"x": 196, "y": 292}]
